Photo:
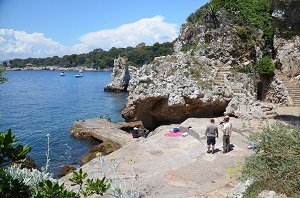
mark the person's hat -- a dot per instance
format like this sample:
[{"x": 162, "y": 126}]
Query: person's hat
[
  {"x": 226, "y": 116},
  {"x": 135, "y": 128}
]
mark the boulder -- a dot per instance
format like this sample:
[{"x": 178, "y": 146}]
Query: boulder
[
  {"x": 270, "y": 194},
  {"x": 66, "y": 169},
  {"x": 120, "y": 76},
  {"x": 102, "y": 149},
  {"x": 247, "y": 108},
  {"x": 27, "y": 163}
]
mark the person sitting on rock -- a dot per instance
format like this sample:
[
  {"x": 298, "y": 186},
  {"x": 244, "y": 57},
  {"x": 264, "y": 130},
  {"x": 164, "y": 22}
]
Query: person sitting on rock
[
  {"x": 211, "y": 133},
  {"x": 135, "y": 132}
]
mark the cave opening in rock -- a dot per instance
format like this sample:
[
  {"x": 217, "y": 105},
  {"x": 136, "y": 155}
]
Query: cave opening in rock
[{"x": 260, "y": 88}]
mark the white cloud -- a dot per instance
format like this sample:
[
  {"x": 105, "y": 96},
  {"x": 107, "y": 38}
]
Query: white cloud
[
  {"x": 21, "y": 44},
  {"x": 15, "y": 44}
]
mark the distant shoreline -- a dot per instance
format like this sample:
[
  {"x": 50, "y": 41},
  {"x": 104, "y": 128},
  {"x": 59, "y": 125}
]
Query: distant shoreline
[{"x": 54, "y": 68}]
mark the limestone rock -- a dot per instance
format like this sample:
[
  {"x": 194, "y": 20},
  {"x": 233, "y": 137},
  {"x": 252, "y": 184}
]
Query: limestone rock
[
  {"x": 276, "y": 92},
  {"x": 104, "y": 148},
  {"x": 288, "y": 55},
  {"x": 179, "y": 86},
  {"x": 270, "y": 194},
  {"x": 66, "y": 169},
  {"x": 120, "y": 76},
  {"x": 248, "y": 108}
]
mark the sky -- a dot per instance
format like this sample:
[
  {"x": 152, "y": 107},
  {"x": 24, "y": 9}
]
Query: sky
[{"x": 42, "y": 28}]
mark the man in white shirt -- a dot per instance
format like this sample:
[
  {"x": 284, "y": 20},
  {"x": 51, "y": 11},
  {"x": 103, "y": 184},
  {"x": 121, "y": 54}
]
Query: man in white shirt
[{"x": 227, "y": 131}]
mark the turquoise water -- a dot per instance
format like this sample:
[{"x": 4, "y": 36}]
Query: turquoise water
[{"x": 37, "y": 103}]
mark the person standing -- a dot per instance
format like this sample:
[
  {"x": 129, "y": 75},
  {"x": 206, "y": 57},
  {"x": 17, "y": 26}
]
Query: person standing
[
  {"x": 227, "y": 131},
  {"x": 211, "y": 133}
]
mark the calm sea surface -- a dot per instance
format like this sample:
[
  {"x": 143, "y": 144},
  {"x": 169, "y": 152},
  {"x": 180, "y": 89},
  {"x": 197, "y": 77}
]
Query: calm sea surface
[{"x": 37, "y": 103}]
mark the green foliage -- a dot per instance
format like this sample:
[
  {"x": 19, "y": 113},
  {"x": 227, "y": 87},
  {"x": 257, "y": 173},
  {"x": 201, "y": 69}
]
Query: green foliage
[
  {"x": 78, "y": 177},
  {"x": 248, "y": 69},
  {"x": 242, "y": 31},
  {"x": 17, "y": 182},
  {"x": 265, "y": 67},
  {"x": 11, "y": 188},
  {"x": 187, "y": 47},
  {"x": 92, "y": 186},
  {"x": 257, "y": 13},
  {"x": 2, "y": 79},
  {"x": 49, "y": 189},
  {"x": 98, "y": 186},
  {"x": 276, "y": 162},
  {"x": 100, "y": 59},
  {"x": 9, "y": 152},
  {"x": 212, "y": 15}
]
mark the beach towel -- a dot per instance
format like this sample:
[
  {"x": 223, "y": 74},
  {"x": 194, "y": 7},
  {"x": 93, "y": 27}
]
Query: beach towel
[{"x": 171, "y": 134}]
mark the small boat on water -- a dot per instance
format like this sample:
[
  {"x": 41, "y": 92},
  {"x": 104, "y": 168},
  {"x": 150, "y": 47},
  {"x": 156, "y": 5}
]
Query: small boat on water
[
  {"x": 62, "y": 74},
  {"x": 78, "y": 75}
]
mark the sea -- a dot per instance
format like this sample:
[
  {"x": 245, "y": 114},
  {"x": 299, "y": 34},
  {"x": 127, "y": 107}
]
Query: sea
[{"x": 36, "y": 103}]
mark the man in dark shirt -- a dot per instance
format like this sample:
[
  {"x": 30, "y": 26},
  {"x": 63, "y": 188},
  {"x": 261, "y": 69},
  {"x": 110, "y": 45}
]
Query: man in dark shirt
[{"x": 211, "y": 133}]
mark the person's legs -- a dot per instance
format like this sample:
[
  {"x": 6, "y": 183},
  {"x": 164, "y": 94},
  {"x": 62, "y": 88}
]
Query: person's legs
[
  {"x": 225, "y": 143},
  {"x": 208, "y": 148},
  {"x": 228, "y": 144},
  {"x": 208, "y": 144},
  {"x": 213, "y": 145}
]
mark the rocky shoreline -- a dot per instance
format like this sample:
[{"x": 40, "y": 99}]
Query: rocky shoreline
[
  {"x": 55, "y": 68},
  {"x": 166, "y": 164}
]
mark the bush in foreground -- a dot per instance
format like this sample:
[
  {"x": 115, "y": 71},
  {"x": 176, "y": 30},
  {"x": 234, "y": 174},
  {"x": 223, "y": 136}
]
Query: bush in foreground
[{"x": 276, "y": 162}]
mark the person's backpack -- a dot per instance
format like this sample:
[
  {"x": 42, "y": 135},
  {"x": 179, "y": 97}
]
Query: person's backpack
[{"x": 176, "y": 130}]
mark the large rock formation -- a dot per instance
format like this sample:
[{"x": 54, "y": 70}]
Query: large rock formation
[
  {"x": 287, "y": 40},
  {"x": 288, "y": 55},
  {"x": 226, "y": 43},
  {"x": 179, "y": 86},
  {"x": 120, "y": 76}
]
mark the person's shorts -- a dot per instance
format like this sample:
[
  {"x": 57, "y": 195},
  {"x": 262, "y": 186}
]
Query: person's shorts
[{"x": 211, "y": 140}]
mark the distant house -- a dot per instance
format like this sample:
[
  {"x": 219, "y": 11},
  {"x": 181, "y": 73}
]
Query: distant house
[{"x": 28, "y": 65}]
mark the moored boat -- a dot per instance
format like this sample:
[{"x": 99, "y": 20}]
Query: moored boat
[{"x": 78, "y": 76}]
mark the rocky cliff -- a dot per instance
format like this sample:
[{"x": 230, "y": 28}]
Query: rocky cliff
[
  {"x": 192, "y": 81},
  {"x": 286, "y": 16},
  {"x": 120, "y": 76}
]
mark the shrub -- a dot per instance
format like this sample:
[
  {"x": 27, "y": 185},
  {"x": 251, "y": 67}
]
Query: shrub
[
  {"x": 276, "y": 162},
  {"x": 9, "y": 152},
  {"x": 265, "y": 67},
  {"x": 242, "y": 32}
]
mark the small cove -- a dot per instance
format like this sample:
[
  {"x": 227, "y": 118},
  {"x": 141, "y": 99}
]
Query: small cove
[{"x": 37, "y": 103}]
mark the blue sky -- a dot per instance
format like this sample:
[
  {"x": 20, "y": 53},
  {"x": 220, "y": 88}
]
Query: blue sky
[{"x": 39, "y": 28}]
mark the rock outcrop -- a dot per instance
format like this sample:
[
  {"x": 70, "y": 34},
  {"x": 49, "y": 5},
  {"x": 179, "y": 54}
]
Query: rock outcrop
[
  {"x": 287, "y": 39},
  {"x": 247, "y": 108},
  {"x": 276, "y": 92},
  {"x": 179, "y": 86},
  {"x": 227, "y": 43},
  {"x": 176, "y": 87},
  {"x": 120, "y": 76},
  {"x": 288, "y": 55}
]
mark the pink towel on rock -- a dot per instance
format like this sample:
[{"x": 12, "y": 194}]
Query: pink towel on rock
[{"x": 173, "y": 134}]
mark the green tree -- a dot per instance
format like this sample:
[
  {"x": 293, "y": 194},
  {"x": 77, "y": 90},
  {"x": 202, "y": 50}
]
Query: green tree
[{"x": 2, "y": 78}]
